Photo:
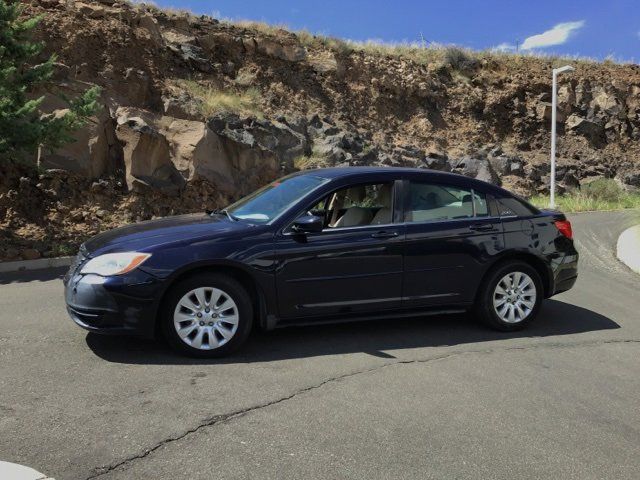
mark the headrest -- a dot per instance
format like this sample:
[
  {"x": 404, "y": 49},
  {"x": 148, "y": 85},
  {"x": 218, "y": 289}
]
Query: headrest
[
  {"x": 384, "y": 195},
  {"x": 432, "y": 200},
  {"x": 356, "y": 194}
]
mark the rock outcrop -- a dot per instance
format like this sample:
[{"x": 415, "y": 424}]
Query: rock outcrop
[{"x": 196, "y": 112}]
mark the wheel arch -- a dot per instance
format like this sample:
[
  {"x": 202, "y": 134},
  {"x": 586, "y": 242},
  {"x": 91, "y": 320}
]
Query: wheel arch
[
  {"x": 538, "y": 264},
  {"x": 234, "y": 271}
]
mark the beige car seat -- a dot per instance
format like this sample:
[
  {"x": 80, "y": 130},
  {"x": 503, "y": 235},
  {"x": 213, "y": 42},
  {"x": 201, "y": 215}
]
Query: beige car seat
[
  {"x": 383, "y": 216},
  {"x": 355, "y": 216}
]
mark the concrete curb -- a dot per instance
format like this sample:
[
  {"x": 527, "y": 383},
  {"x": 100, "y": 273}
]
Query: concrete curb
[
  {"x": 39, "y": 264},
  {"x": 628, "y": 248},
  {"x": 13, "y": 471}
]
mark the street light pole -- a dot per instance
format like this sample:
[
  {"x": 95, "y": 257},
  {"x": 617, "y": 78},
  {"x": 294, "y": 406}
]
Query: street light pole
[{"x": 554, "y": 105}]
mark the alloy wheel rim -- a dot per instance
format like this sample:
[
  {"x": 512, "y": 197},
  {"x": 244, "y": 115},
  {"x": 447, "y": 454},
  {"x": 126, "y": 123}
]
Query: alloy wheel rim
[
  {"x": 514, "y": 297},
  {"x": 206, "y": 318}
]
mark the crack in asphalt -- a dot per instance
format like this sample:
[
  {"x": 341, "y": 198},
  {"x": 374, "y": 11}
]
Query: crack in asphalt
[{"x": 222, "y": 418}]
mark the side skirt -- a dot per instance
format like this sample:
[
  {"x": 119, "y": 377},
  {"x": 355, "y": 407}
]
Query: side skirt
[{"x": 276, "y": 323}]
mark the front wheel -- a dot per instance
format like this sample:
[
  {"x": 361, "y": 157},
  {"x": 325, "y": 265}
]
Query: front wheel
[
  {"x": 207, "y": 315},
  {"x": 510, "y": 297}
]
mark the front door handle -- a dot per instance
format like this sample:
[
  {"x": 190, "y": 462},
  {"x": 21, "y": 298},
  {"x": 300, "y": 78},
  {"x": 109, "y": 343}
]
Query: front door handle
[
  {"x": 384, "y": 234},
  {"x": 482, "y": 227}
]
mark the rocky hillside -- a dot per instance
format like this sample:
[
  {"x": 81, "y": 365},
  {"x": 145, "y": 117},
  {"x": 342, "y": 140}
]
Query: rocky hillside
[{"x": 197, "y": 112}]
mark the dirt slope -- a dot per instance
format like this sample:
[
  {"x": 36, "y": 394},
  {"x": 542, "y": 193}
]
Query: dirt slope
[{"x": 197, "y": 112}]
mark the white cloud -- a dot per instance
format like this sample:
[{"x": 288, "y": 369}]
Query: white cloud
[
  {"x": 558, "y": 35},
  {"x": 504, "y": 47}
]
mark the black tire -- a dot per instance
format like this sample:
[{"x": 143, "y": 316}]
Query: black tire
[
  {"x": 484, "y": 308},
  {"x": 227, "y": 284}
]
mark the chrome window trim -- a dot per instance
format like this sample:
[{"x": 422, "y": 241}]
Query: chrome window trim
[
  {"x": 340, "y": 229},
  {"x": 402, "y": 224},
  {"x": 477, "y": 219}
]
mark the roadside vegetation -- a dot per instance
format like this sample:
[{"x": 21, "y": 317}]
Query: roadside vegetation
[
  {"x": 601, "y": 194},
  {"x": 23, "y": 127},
  {"x": 315, "y": 160},
  {"x": 420, "y": 51},
  {"x": 213, "y": 100}
]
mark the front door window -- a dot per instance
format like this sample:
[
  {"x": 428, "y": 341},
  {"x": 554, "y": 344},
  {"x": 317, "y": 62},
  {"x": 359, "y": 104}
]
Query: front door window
[{"x": 358, "y": 205}]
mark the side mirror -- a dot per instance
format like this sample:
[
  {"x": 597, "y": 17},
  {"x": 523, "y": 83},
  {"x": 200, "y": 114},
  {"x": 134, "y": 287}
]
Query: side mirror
[{"x": 308, "y": 224}]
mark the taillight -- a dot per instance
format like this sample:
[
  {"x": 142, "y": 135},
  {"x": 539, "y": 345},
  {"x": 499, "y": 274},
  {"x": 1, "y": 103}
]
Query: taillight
[{"x": 564, "y": 226}]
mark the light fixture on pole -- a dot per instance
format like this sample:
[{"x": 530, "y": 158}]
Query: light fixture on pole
[{"x": 554, "y": 104}]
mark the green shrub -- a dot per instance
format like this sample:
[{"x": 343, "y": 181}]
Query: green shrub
[
  {"x": 23, "y": 128},
  {"x": 600, "y": 194},
  {"x": 604, "y": 189},
  {"x": 459, "y": 59}
]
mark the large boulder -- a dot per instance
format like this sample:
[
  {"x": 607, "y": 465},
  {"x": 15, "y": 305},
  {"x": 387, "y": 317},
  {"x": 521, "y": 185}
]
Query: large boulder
[
  {"x": 478, "y": 168},
  {"x": 91, "y": 10},
  {"x": 235, "y": 154},
  {"x": 323, "y": 62},
  {"x": 131, "y": 87},
  {"x": 92, "y": 152},
  {"x": 437, "y": 162},
  {"x": 197, "y": 153},
  {"x": 147, "y": 157},
  {"x": 148, "y": 27},
  {"x": 252, "y": 163},
  {"x": 507, "y": 165},
  {"x": 285, "y": 142},
  {"x": 544, "y": 113},
  {"x": 592, "y": 131},
  {"x": 94, "y": 149},
  {"x": 291, "y": 52},
  {"x": 186, "y": 48},
  {"x": 181, "y": 105},
  {"x": 606, "y": 102},
  {"x": 222, "y": 44}
]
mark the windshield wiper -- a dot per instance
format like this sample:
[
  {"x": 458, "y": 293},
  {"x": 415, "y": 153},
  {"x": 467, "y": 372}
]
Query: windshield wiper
[{"x": 224, "y": 211}]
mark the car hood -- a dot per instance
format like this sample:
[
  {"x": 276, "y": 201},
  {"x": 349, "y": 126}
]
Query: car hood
[{"x": 152, "y": 233}]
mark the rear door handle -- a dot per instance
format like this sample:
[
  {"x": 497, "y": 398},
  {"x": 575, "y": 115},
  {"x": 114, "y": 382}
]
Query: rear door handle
[
  {"x": 482, "y": 227},
  {"x": 384, "y": 234}
]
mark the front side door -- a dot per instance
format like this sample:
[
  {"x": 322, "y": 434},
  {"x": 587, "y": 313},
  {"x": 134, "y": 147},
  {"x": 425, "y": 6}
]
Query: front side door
[
  {"x": 353, "y": 266},
  {"x": 450, "y": 235}
]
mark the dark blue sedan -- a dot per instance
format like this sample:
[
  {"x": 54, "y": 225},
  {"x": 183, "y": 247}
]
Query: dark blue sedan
[{"x": 324, "y": 246}]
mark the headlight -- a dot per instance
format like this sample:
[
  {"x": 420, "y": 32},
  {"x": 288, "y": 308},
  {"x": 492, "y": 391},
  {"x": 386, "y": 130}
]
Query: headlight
[{"x": 114, "y": 263}]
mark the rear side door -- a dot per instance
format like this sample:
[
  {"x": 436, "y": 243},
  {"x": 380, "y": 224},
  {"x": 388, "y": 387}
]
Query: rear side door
[
  {"x": 342, "y": 270},
  {"x": 451, "y": 236}
]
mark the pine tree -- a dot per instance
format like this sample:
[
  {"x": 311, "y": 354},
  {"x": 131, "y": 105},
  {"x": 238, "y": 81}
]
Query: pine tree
[{"x": 22, "y": 126}]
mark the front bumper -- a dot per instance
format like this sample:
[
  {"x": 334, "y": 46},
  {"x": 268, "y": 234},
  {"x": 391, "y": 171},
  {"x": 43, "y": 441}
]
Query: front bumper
[{"x": 125, "y": 304}]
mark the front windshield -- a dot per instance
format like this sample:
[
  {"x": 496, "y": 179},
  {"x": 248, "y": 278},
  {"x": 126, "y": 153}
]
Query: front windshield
[{"x": 269, "y": 202}]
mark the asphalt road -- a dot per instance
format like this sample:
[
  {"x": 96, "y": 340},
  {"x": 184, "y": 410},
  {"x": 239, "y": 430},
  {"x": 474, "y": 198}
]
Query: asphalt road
[{"x": 437, "y": 397}]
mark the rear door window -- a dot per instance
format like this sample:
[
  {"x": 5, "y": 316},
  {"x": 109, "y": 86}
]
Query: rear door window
[{"x": 432, "y": 202}]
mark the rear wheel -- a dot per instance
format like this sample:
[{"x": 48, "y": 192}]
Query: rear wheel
[
  {"x": 207, "y": 315},
  {"x": 510, "y": 297}
]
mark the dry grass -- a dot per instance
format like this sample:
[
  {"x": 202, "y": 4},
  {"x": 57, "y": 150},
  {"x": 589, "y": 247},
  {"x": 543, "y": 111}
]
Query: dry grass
[
  {"x": 247, "y": 102},
  {"x": 455, "y": 57},
  {"x": 261, "y": 27},
  {"x": 315, "y": 160}
]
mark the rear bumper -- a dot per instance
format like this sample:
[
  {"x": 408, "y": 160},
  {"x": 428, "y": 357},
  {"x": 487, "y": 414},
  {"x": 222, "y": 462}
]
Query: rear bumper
[
  {"x": 113, "y": 305},
  {"x": 565, "y": 273}
]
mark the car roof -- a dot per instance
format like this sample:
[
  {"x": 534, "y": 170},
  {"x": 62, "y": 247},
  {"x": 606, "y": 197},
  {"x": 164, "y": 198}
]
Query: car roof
[{"x": 428, "y": 174}]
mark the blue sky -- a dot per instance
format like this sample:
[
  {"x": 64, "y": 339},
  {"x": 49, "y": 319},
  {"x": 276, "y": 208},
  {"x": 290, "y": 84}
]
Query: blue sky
[{"x": 593, "y": 28}]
